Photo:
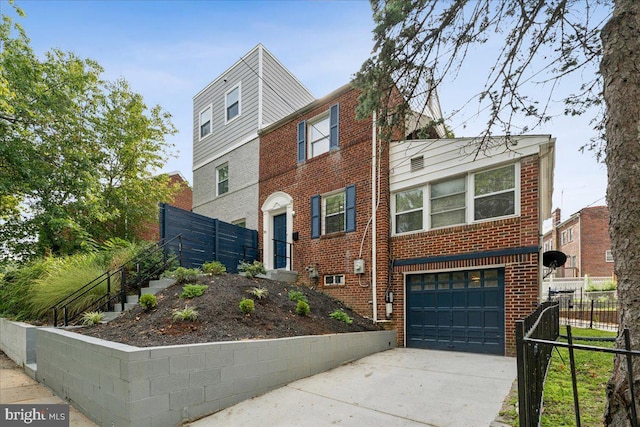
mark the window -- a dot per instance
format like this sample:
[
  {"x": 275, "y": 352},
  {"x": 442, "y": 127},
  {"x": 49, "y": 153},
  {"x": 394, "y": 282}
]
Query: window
[
  {"x": 334, "y": 279},
  {"x": 333, "y": 212},
  {"x": 573, "y": 261},
  {"x": 570, "y": 234},
  {"x": 333, "y": 209},
  {"x": 464, "y": 199},
  {"x": 448, "y": 202},
  {"x": 240, "y": 222},
  {"x": 608, "y": 256},
  {"x": 222, "y": 179},
  {"x": 205, "y": 122},
  {"x": 563, "y": 238},
  {"x": 232, "y": 103},
  {"x": 319, "y": 135},
  {"x": 409, "y": 210},
  {"x": 494, "y": 193}
]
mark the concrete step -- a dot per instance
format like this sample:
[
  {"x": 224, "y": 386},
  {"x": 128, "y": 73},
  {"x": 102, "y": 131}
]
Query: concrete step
[
  {"x": 132, "y": 299},
  {"x": 31, "y": 369},
  {"x": 127, "y": 306},
  {"x": 282, "y": 275},
  {"x": 109, "y": 315},
  {"x": 161, "y": 283}
]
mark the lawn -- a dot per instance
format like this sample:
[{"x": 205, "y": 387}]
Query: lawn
[{"x": 593, "y": 371}]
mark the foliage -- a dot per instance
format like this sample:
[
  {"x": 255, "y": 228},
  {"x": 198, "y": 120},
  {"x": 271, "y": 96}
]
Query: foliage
[
  {"x": 302, "y": 308},
  {"x": 214, "y": 267},
  {"x": 148, "y": 301},
  {"x": 183, "y": 275},
  {"x": 92, "y": 317},
  {"x": 341, "y": 316},
  {"x": 192, "y": 291},
  {"x": 77, "y": 152},
  {"x": 186, "y": 314},
  {"x": 247, "y": 306},
  {"x": 259, "y": 292},
  {"x": 297, "y": 296},
  {"x": 251, "y": 270},
  {"x": 16, "y": 288},
  {"x": 609, "y": 285}
]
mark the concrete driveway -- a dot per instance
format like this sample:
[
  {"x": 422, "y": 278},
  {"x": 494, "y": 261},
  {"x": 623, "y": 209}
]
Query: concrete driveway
[{"x": 399, "y": 387}]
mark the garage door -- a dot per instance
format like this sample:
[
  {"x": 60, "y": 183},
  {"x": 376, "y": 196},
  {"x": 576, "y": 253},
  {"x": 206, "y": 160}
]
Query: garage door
[{"x": 459, "y": 310}]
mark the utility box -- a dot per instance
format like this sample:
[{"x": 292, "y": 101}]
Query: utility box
[{"x": 358, "y": 266}]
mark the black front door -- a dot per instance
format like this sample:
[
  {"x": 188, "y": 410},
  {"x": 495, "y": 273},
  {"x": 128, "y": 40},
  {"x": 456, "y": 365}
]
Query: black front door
[{"x": 280, "y": 241}]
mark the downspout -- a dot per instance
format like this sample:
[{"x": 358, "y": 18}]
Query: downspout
[{"x": 374, "y": 257}]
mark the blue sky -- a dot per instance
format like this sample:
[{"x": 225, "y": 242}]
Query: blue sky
[{"x": 170, "y": 50}]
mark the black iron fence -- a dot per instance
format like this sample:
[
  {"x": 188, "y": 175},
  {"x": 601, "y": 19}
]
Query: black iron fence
[{"x": 593, "y": 314}]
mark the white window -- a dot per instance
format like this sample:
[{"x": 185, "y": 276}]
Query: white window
[
  {"x": 222, "y": 179},
  {"x": 232, "y": 103},
  {"x": 494, "y": 193},
  {"x": 571, "y": 234},
  {"x": 318, "y": 135},
  {"x": 448, "y": 205},
  {"x": 479, "y": 196},
  {"x": 334, "y": 279},
  {"x": 563, "y": 237},
  {"x": 409, "y": 210},
  {"x": 205, "y": 122},
  {"x": 608, "y": 256},
  {"x": 333, "y": 213}
]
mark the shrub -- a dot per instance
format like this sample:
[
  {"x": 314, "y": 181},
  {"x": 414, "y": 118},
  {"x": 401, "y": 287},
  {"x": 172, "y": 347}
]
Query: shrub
[
  {"x": 183, "y": 275},
  {"x": 302, "y": 308},
  {"x": 258, "y": 292},
  {"x": 214, "y": 267},
  {"x": 92, "y": 318},
  {"x": 247, "y": 306},
  {"x": 251, "y": 270},
  {"x": 296, "y": 296},
  {"x": 148, "y": 301},
  {"x": 186, "y": 314},
  {"x": 341, "y": 316},
  {"x": 192, "y": 291}
]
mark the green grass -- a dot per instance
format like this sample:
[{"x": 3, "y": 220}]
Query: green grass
[{"x": 593, "y": 371}]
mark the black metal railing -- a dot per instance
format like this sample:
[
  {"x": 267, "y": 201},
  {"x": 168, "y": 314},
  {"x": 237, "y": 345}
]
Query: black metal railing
[
  {"x": 533, "y": 358},
  {"x": 112, "y": 287},
  {"x": 592, "y": 314}
]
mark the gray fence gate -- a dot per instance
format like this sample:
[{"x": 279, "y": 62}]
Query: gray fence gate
[{"x": 206, "y": 239}]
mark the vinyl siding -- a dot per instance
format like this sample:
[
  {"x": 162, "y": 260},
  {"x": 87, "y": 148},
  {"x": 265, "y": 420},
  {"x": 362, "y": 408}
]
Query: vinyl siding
[{"x": 282, "y": 92}]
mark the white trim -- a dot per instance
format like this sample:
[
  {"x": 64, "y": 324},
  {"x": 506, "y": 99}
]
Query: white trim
[
  {"x": 226, "y": 96},
  {"x": 342, "y": 281},
  {"x": 277, "y": 203},
  {"x": 260, "y": 84},
  {"x": 323, "y": 210},
  {"x": 210, "y": 107},
  {"x": 227, "y": 151},
  {"x": 226, "y": 164}
]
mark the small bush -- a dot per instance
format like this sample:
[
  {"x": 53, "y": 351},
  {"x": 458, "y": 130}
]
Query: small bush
[
  {"x": 251, "y": 270},
  {"x": 192, "y": 291},
  {"x": 92, "y": 318},
  {"x": 214, "y": 267},
  {"x": 296, "y": 296},
  {"x": 247, "y": 306},
  {"x": 341, "y": 316},
  {"x": 183, "y": 275},
  {"x": 260, "y": 293},
  {"x": 148, "y": 301},
  {"x": 186, "y": 314},
  {"x": 302, "y": 308}
]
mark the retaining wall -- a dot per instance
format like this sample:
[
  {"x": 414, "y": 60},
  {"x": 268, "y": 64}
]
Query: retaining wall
[
  {"x": 18, "y": 341},
  {"x": 120, "y": 385}
]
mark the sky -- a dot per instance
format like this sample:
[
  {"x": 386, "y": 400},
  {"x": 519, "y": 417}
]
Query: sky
[{"x": 169, "y": 50}]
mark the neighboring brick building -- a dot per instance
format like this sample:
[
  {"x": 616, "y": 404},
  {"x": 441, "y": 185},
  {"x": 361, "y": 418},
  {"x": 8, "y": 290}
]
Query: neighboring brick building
[
  {"x": 584, "y": 238},
  {"x": 459, "y": 233},
  {"x": 183, "y": 199}
]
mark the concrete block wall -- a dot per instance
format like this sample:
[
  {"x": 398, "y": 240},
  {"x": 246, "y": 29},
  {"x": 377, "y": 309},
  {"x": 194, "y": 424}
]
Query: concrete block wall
[
  {"x": 18, "y": 341},
  {"x": 120, "y": 385}
]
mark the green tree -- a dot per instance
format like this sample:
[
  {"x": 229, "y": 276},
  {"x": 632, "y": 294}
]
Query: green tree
[
  {"x": 419, "y": 43},
  {"x": 76, "y": 152}
]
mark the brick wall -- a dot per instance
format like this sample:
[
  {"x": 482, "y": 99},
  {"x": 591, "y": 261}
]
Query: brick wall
[
  {"x": 183, "y": 199},
  {"x": 349, "y": 164},
  {"x": 521, "y": 271},
  {"x": 595, "y": 241}
]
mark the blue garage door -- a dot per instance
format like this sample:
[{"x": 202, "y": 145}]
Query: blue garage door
[{"x": 459, "y": 310}]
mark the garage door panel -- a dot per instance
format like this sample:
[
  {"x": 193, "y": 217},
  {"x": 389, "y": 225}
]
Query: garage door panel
[{"x": 458, "y": 311}]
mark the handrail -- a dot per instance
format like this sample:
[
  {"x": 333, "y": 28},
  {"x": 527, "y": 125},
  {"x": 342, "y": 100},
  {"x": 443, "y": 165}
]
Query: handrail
[{"x": 84, "y": 290}]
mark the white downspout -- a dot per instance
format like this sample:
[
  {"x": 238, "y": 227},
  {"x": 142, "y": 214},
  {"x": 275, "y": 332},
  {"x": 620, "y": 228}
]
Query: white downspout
[{"x": 374, "y": 257}]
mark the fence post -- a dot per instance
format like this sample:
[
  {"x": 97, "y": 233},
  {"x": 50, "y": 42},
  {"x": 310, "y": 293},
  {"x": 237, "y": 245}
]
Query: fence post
[
  {"x": 627, "y": 346},
  {"x": 574, "y": 382},
  {"x": 591, "y": 316},
  {"x": 109, "y": 292},
  {"x": 523, "y": 404},
  {"x": 123, "y": 287}
]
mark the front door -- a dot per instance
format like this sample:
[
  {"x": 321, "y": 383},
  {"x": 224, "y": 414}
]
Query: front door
[{"x": 280, "y": 241}]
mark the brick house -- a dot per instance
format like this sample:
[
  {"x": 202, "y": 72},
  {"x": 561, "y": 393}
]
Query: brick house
[
  {"x": 584, "y": 238},
  {"x": 418, "y": 226},
  {"x": 182, "y": 199}
]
